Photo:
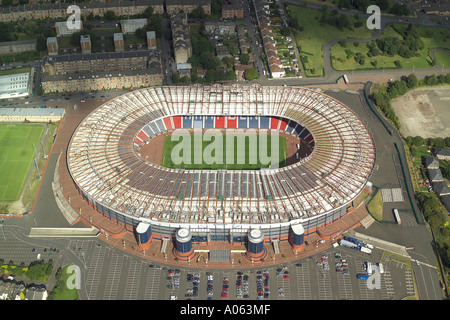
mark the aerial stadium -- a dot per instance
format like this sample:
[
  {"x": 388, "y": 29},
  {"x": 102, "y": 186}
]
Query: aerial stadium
[{"x": 334, "y": 159}]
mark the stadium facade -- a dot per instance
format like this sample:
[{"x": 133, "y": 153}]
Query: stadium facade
[{"x": 243, "y": 207}]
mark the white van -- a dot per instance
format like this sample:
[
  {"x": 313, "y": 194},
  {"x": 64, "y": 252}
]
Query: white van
[
  {"x": 380, "y": 267},
  {"x": 369, "y": 267}
]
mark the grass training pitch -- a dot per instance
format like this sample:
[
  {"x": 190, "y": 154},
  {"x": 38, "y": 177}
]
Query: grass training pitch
[
  {"x": 245, "y": 151},
  {"x": 16, "y": 157}
]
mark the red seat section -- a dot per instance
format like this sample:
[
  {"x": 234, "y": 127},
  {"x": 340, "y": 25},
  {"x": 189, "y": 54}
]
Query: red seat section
[
  {"x": 177, "y": 122},
  {"x": 283, "y": 124},
  {"x": 219, "y": 123},
  {"x": 274, "y": 123},
  {"x": 309, "y": 138},
  {"x": 142, "y": 135},
  {"x": 137, "y": 141},
  {"x": 232, "y": 122},
  {"x": 168, "y": 123}
]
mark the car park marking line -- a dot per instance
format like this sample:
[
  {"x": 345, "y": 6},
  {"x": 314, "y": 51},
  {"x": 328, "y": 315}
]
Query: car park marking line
[
  {"x": 387, "y": 291},
  {"x": 304, "y": 282},
  {"x": 153, "y": 284},
  {"x": 132, "y": 285},
  {"x": 95, "y": 269},
  {"x": 365, "y": 293},
  {"x": 324, "y": 283},
  {"x": 409, "y": 283},
  {"x": 344, "y": 281},
  {"x": 112, "y": 281},
  {"x": 171, "y": 291}
]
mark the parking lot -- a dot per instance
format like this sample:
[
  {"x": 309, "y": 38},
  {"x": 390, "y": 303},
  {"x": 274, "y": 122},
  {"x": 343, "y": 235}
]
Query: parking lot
[
  {"x": 109, "y": 274},
  {"x": 320, "y": 277}
]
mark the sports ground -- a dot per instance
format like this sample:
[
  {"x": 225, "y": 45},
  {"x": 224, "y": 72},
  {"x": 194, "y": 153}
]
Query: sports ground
[
  {"x": 238, "y": 151},
  {"x": 16, "y": 157}
]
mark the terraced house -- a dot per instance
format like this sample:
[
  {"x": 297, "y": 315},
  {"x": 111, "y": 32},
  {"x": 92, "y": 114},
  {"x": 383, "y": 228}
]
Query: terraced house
[{"x": 102, "y": 71}]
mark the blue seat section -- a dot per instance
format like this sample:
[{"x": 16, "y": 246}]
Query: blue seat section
[
  {"x": 198, "y": 122},
  {"x": 187, "y": 122},
  {"x": 264, "y": 122},
  {"x": 299, "y": 128},
  {"x": 291, "y": 126},
  {"x": 148, "y": 131},
  {"x": 209, "y": 122},
  {"x": 242, "y": 122},
  {"x": 154, "y": 127},
  {"x": 253, "y": 122},
  {"x": 304, "y": 134},
  {"x": 160, "y": 125}
]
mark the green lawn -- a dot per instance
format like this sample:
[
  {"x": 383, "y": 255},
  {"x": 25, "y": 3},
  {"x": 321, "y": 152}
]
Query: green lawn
[
  {"x": 16, "y": 156},
  {"x": 443, "y": 58},
  {"x": 248, "y": 155},
  {"x": 375, "y": 206},
  {"x": 431, "y": 37},
  {"x": 314, "y": 36}
]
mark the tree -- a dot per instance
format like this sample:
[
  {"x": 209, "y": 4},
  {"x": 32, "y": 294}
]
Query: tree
[
  {"x": 438, "y": 142},
  {"x": 228, "y": 61},
  {"x": 251, "y": 74},
  {"x": 30, "y": 27},
  {"x": 431, "y": 80},
  {"x": 343, "y": 43},
  {"x": 411, "y": 81},
  {"x": 245, "y": 58},
  {"x": 109, "y": 15},
  {"x": 418, "y": 141},
  {"x": 148, "y": 13}
]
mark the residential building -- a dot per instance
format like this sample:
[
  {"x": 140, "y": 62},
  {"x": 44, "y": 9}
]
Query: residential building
[
  {"x": 445, "y": 200},
  {"x": 131, "y": 25},
  {"x": 442, "y": 154},
  {"x": 232, "y": 11},
  {"x": 13, "y": 47},
  {"x": 52, "y": 46},
  {"x": 181, "y": 38},
  {"x": 435, "y": 175},
  {"x": 63, "y": 30},
  {"x": 274, "y": 63},
  {"x": 85, "y": 42},
  {"x": 151, "y": 39},
  {"x": 220, "y": 28},
  {"x": 44, "y": 11},
  {"x": 431, "y": 162},
  {"x": 184, "y": 69},
  {"x": 31, "y": 114},
  {"x": 441, "y": 188},
  {"x": 102, "y": 71},
  {"x": 15, "y": 85},
  {"x": 118, "y": 42},
  {"x": 187, "y": 6},
  {"x": 36, "y": 293}
]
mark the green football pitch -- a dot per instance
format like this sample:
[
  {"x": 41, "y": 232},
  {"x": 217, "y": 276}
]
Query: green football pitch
[
  {"x": 219, "y": 151},
  {"x": 16, "y": 157}
]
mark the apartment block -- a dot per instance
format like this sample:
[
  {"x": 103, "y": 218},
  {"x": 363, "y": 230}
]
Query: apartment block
[
  {"x": 102, "y": 71},
  {"x": 151, "y": 39},
  {"x": 181, "y": 38},
  {"x": 85, "y": 42},
  {"x": 187, "y": 6},
  {"x": 232, "y": 11},
  {"x": 52, "y": 46},
  {"x": 13, "y": 47},
  {"x": 118, "y": 42},
  {"x": 131, "y": 25}
]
